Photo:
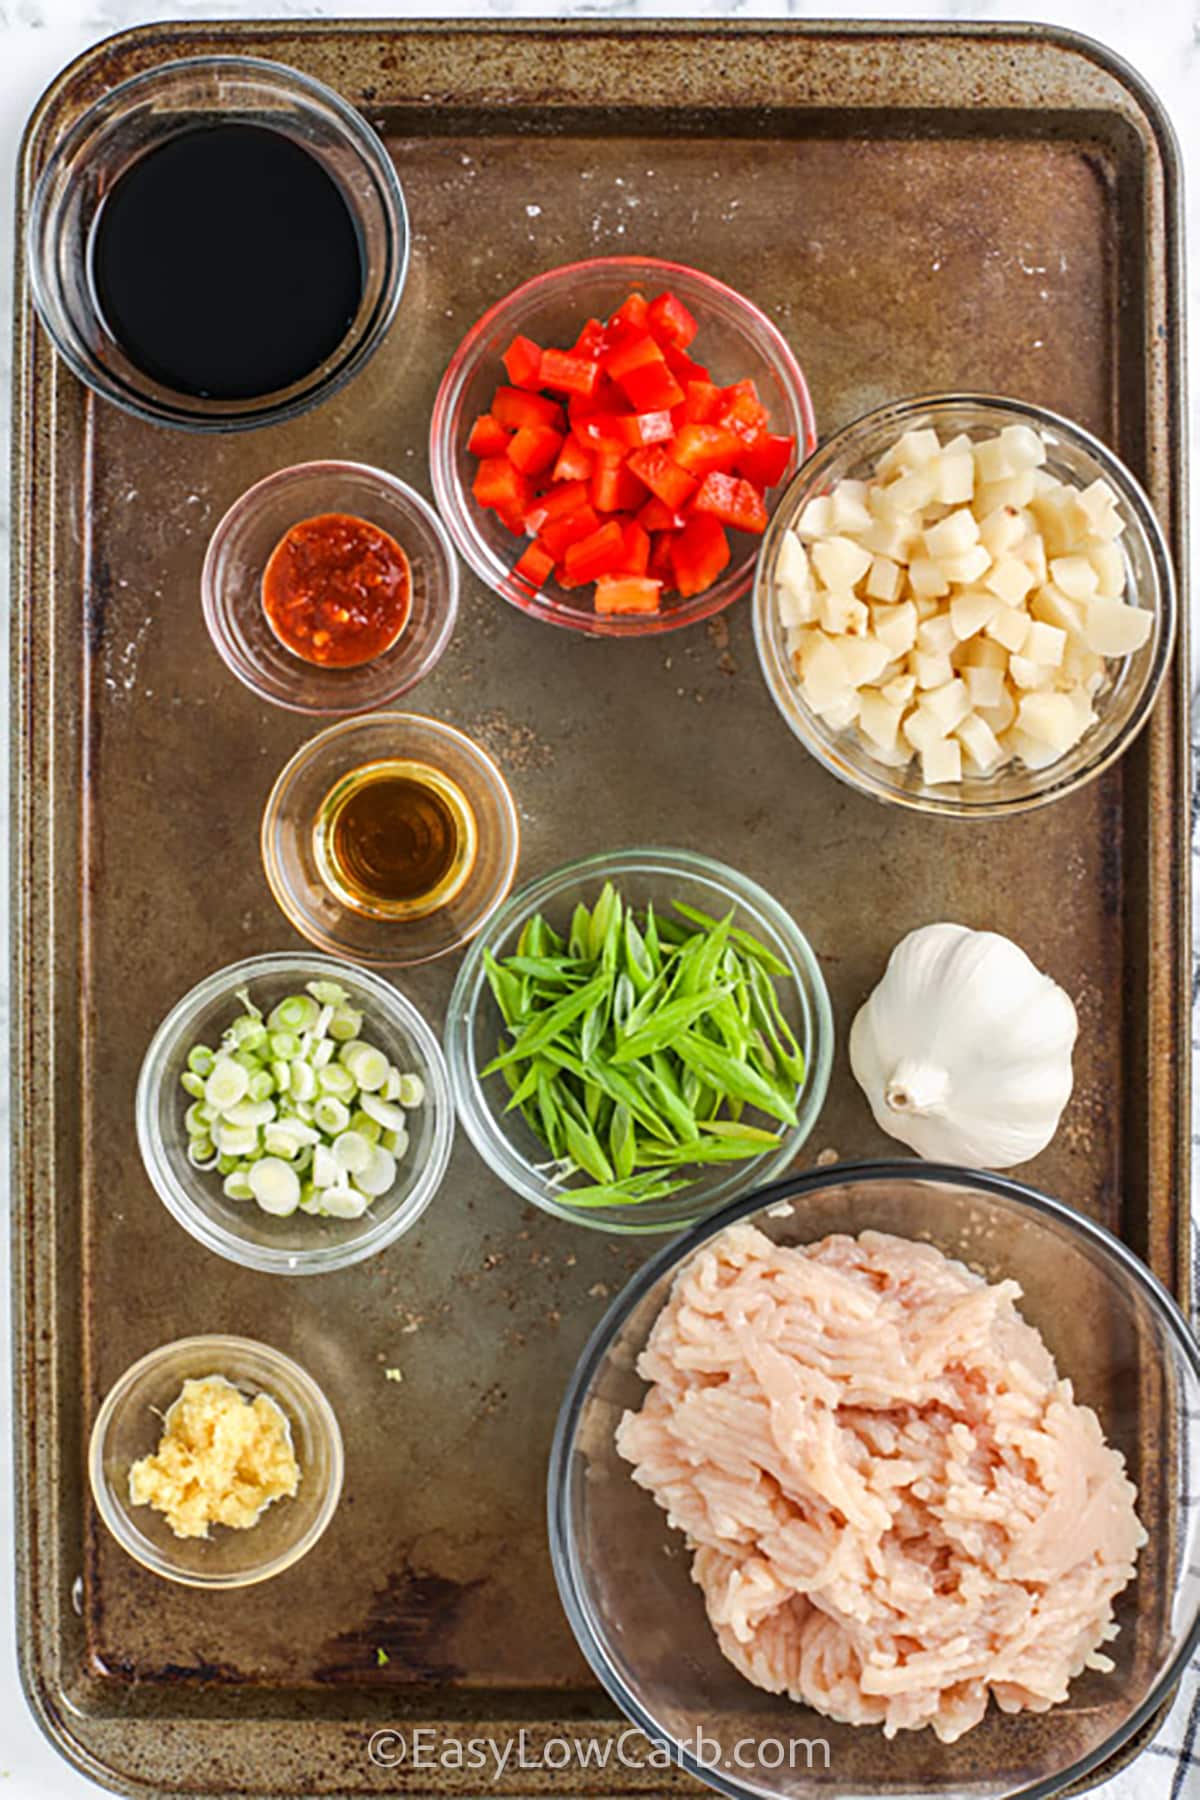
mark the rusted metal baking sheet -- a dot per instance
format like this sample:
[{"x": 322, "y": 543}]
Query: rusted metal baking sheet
[{"x": 969, "y": 207}]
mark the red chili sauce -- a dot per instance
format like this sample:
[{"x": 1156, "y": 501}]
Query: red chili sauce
[{"x": 337, "y": 590}]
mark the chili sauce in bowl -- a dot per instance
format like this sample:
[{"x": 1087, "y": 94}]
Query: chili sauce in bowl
[{"x": 336, "y": 590}]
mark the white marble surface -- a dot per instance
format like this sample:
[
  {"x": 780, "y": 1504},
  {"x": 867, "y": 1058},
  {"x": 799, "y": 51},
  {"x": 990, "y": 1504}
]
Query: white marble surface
[{"x": 1160, "y": 37}]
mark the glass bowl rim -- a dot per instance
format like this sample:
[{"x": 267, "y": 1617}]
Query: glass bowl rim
[
  {"x": 322, "y": 1415},
  {"x": 563, "y": 1557},
  {"x": 459, "y": 521},
  {"x": 357, "y": 130},
  {"x": 479, "y": 1119},
  {"x": 333, "y": 469},
  {"x": 1143, "y": 520},
  {"x": 361, "y": 961},
  {"x": 160, "y": 1170}
]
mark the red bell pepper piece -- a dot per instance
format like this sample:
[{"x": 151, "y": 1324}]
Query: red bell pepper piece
[
  {"x": 670, "y": 321},
  {"x": 592, "y": 341},
  {"x": 488, "y": 437},
  {"x": 732, "y": 500},
  {"x": 566, "y": 373},
  {"x": 499, "y": 484},
  {"x": 635, "y": 551},
  {"x": 574, "y": 461},
  {"x": 702, "y": 402},
  {"x": 655, "y": 517},
  {"x": 639, "y": 429},
  {"x": 615, "y": 487},
  {"x": 765, "y": 461},
  {"x": 535, "y": 565},
  {"x": 699, "y": 553},
  {"x": 596, "y": 555},
  {"x": 559, "y": 534},
  {"x": 634, "y": 350},
  {"x": 603, "y": 433},
  {"x": 700, "y": 448},
  {"x": 651, "y": 387},
  {"x": 515, "y": 408},
  {"x": 660, "y": 566},
  {"x": 523, "y": 360},
  {"x": 682, "y": 367},
  {"x": 566, "y": 498},
  {"x": 630, "y": 316},
  {"x": 742, "y": 410},
  {"x": 534, "y": 448},
  {"x": 665, "y": 479},
  {"x": 627, "y": 594}
]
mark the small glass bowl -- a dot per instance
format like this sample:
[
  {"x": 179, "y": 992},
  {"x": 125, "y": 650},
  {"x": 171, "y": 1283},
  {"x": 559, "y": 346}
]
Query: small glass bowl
[
  {"x": 624, "y": 1575},
  {"x": 474, "y": 1030},
  {"x": 303, "y": 1244},
  {"x": 129, "y": 1426},
  {"x": 1073, "y": 454},
  {"x": 136, "y": 116},
  {"x": 291, "y": 849},
  {"x": 237, "y": 556},
  {"x": 736, "y": 341}
]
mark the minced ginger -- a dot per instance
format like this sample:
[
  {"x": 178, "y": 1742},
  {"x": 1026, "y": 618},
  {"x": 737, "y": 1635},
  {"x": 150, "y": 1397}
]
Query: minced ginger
[{"x": 222, "y": 1459}]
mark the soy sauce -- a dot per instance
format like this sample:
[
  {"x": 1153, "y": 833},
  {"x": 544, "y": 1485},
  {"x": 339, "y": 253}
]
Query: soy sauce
[{"x": 226, "y": 262}]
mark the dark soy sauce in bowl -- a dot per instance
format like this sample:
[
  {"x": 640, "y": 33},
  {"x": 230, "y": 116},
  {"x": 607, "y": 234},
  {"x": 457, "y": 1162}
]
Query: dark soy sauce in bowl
[{"x": 226, "y": 262}]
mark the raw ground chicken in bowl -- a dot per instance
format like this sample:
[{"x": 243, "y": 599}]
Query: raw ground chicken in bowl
[{"x": 896, "y": 1506}]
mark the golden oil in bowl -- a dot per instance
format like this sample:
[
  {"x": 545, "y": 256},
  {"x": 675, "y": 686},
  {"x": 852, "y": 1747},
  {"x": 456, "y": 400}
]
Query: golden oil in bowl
[{"x": 395, "y": 839}]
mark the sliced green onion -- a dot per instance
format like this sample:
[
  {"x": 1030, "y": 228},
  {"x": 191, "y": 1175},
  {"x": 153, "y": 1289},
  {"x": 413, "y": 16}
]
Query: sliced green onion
[
  {"x": 412, "y": 1092},
  {"x": 392, "y": 1118},
  {"x": 192, "y": 1084},
  {"x": 200, "y": 1060},
  {"x": 343, "y": 1202},
  {"x": 297, "y": 1013},
  {"x": 351, "y": 1152},
  {"x": 379, "y": 1175},
  {"x": 327, "y": 993},
  {"x": 275, "y": 1185},
  {"x": 302, "y": 1083},
  {"x": 334, "y": 1079}
]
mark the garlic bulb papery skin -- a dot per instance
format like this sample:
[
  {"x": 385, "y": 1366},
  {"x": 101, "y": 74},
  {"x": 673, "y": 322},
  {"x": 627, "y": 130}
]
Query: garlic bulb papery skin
[{"x": 964, "y": 1048}]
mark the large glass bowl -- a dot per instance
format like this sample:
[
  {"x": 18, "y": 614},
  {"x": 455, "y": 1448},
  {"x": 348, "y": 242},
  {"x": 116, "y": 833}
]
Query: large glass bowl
[
  {"x": 623, "y": 1574},
  {"x": 143, "y": 112},
  {"x": 304, "y": 1243},
  {"x": 129, "y": 1426},
  {"x": 736, "y": 341},
  {"x": 1123, "y": 708},
  {"x": 474, "y": 1027}
]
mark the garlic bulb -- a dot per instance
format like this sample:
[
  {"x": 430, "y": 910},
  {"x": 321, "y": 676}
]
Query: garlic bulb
[{"x": 964, "y": 1048}]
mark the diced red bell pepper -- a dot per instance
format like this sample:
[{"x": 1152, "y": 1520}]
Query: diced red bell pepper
[
  {"x": 523, "y": 360},
  {"x": 627, "y": 594},
  {"x": 670, "y": 321},
  {"x": 559, "y": 534},
  {"x": 656, "y": 517},
  {"x": 499, "y": 484},
  {"x": 615, "y": 487},
  {"x": 664, "y": 477},
  {"x": 651, "y": 388},
  {"x": 660, "y": 566},
  {"x": 639, "y": 429},
  {"x": 682, "y": 367},
  {"x": 765, "y": 461},
  {"x": 701, "y": 448},
  {"x": 534, "y": 448},
  {"x": 630, "y": 315},
  {"x": 742, "y": 410},
  {"x": 566, "y": 498},
  {"x": 732, "y": 500},
  {"x": 592, "y": 341},
  {"x": 535, "y": 565},
  {"x": 603, "y": 433},
  {"x": 574, "y": 460},
  {"x": 635, "y": 350},
  {"x": 635, "y": 550},
  {"x": 488, "y": 437},
  {"x": 566, "y": 373},
  {"x": 702, "y": 402},
  {"x": 699, "y": 553},
  {"x": 515, "y": 408},
  {"x": 596, "y": 555}
]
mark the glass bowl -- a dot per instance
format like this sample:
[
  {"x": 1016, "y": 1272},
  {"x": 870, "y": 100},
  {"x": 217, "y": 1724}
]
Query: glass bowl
[
  {"x": 735, "y": 340},
  {"x": 129, "y": 1426},
  {"x": 291, "y": 841},
  {"x": 623, "y": 1574},
  {"x": 1123, "y": 708},
  {"x": 136, "y": 116},
  {"x": 473, "y": 1029},
  {"x": 241, "y": 546},
  {"x": 302, "y": 1244}
]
